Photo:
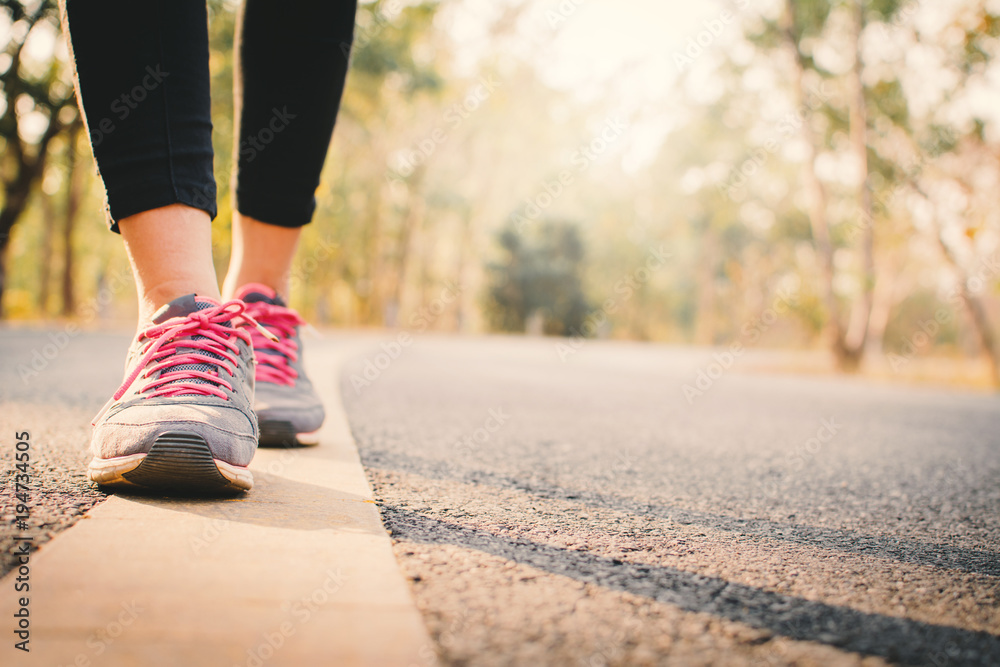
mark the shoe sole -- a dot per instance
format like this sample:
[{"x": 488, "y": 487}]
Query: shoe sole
[
  {"x": 178, "y": 462},
  {"x": 283, "y": 434}
]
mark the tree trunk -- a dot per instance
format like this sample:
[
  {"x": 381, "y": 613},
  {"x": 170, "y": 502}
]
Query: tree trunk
[
  {"x": 975, "y": 308},
  {"x": 889, "y": 287},
  {"x": 73, "y": 195},
  {"x": 847, "y": 345},
  {"x": 464, "y": 271},
  {"x": 15, "y": 201},
  {"x": 3, "y": 272},
  {"x": 45, "y": 261},
  {"x": 815, "y": 192},
  {"x": 973, "y": 304},
  {"x": 368, "y": 279},
  {"x": 17, "y": 191},
  {"x": 855, "y": 336},
  {"x": 408, "y": 237},
  {"x": 705, "y": 326}
]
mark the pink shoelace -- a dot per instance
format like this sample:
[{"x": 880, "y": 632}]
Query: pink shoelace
[
  {"x": 216, "y": 348},
  {"x": 276, "y": 351}
]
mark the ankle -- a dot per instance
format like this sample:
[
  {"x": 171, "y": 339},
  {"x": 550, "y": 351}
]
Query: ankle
[
  {"x": 156, "y": 296},
  {"x": 280, "y": 284},
  {"x": 262, "y": 253},
  {"x": 170, "y": 249}
]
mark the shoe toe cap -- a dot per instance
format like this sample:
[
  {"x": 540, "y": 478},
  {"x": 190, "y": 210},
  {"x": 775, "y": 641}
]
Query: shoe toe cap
[
  {"x": 300, "y": 406},
  {"x": 230, "y": 432}
]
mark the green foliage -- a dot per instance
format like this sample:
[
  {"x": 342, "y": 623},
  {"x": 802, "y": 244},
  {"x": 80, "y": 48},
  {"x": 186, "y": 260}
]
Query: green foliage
[
  {"x": 886, "y": 10},
  {"x": 886, "y": 98},
  {"x": 414, "y": 193},
  {"x": 384, "y": 45},
  {"x": 540, "y": 273},
  {"x": 810, "y": 17},
  {"x": 915, "y": 318}
]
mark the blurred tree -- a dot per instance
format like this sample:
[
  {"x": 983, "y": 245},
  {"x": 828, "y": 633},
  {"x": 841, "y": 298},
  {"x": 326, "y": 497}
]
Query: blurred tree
[
  {"x": 890, "y": 148},
  {"x": 38, "y": 104},
  {"x": 800, "y": 21},
  {"x": 750, "y": 170},
  {"x": 540, "y": 276},
  {"x": 393, "y": 100},
  {"x": 71, "y": 209},
  {"x": 949, "y": 161}
]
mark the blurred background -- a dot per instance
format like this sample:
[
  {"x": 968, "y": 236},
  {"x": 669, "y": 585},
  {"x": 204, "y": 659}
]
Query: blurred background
[{"x": 817, "y": 180}]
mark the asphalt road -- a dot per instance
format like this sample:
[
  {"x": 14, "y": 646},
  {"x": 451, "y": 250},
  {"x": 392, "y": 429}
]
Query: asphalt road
[
  {"x": 584, "y": 512},
  {"x": 51, "y": 386},
  {"x": 578, "y": 509}
]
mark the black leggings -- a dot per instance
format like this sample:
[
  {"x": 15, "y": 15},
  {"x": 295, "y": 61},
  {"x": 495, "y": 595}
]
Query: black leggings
[{"x": 143, "y": 80}]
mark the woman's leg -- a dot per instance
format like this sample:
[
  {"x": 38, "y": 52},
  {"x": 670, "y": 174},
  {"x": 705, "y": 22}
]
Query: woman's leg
[
  {"x": 182, "y": 420},
  {"x": 143, "y": 85},
  {"x": 170, "y": 249},
  {"x": 291, "y": 67},
  {"x": 262, "y": 254},
  {"x": 292, "y": 58}
]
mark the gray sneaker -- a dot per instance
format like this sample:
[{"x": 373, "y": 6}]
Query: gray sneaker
[
  {"x": 288, "y": 409},
  {"x": 182, "y": 421}
]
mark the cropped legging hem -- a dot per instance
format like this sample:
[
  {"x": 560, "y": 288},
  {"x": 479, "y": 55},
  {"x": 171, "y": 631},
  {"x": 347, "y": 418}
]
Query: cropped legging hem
[
  {"x": 143, "y": 80},
  {"x": 133, "y": 199}
]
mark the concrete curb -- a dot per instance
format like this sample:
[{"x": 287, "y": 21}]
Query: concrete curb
[{"x": 299, "y": 572}]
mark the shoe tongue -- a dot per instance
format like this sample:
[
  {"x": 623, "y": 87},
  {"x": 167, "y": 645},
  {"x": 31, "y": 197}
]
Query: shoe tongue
[
  {"x": 257, "y": 293},
  {"x": 181, "y": 306}
]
